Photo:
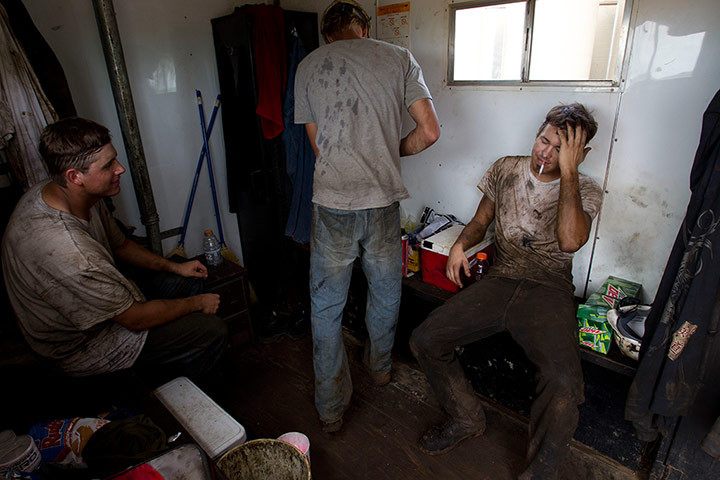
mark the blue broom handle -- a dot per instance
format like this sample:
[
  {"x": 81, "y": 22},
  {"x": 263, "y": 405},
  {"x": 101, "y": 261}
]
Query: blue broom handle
[
  {"x": 197, "y": 173},
  {"x": 210, "y": 169}
]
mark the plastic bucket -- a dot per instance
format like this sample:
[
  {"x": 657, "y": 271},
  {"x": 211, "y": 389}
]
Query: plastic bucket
[
  {"x": 263, "y": 459},
  {"x": 297, "y": 440},
  {"x": 20, "y": 455}
]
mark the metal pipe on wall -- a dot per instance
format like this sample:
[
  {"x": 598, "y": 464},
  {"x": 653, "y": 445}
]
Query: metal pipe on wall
[{"x": 115, "y": 61}]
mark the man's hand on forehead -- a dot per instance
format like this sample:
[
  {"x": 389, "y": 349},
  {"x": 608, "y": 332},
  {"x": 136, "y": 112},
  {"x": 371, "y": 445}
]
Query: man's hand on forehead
[{"x": 572, "y": 146}]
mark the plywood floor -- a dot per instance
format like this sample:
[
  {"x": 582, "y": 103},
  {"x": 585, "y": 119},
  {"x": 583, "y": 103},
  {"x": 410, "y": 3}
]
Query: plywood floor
[{"x": 269, "y": 389}]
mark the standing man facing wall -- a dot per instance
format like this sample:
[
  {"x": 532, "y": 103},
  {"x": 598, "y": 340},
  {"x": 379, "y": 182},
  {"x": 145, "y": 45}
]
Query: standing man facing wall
[{"x": 350, "y": 94}]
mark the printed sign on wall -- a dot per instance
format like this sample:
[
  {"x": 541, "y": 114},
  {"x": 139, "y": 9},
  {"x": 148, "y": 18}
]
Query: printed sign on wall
[{"x": 394, "y": 24}]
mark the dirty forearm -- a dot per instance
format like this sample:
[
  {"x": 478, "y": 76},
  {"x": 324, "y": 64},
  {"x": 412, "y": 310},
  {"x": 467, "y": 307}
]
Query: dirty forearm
[
  {"x": 426, "y": 131},
  {"x": 573, "y": 224},
  {"x": 476, "y": 229},
  {"x": 141, "y": 316},
  {"x": 133, "y": 254},
  {"x": 415, "y": 142},
  {"x": 311, "y": 129},
  {"x": 472, "y": 234}
]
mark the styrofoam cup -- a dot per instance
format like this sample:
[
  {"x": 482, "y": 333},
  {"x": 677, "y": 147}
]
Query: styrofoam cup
[{"x": 297, "y": 440}]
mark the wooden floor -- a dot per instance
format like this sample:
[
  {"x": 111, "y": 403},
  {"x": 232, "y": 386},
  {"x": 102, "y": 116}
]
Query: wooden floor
[{"x": 271, "y": 392}]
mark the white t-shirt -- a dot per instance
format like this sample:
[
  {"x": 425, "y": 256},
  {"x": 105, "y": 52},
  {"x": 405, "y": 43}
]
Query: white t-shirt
[
  {"x": 355, "y": 91},
  {"x": 65, "y": 288},
  {"x": 525, "y": 220}
]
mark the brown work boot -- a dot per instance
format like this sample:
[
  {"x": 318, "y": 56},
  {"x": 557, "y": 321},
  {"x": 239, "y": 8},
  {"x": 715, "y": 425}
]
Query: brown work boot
[
  {"x": 444, "y": 437},
  {"x": 334, "y": 426},
  {"x": 380, "y": 379},
  {"x": 331, "y": 427}
]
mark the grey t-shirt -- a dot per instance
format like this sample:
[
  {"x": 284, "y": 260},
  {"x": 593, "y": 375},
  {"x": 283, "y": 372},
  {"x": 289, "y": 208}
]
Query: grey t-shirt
[
  {"x": 525, "y": 219},
  {"x": 65, "y": 288},
  {"x": 355, "y": 91}
]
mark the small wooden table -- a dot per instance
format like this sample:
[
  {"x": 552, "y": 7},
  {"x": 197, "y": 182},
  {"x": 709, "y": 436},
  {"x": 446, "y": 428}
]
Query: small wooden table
[{"x": 230, "y": 281}]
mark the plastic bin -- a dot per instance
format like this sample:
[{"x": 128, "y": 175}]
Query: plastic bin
[{"x": 210, "y": 426}]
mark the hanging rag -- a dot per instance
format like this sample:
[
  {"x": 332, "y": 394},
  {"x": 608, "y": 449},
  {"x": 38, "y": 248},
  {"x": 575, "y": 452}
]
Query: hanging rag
[
  {"x": 268, "y": 43},
  {"x": 680, "y": 328},
  {"x": 30, "y": 110},
  {"x": 43, "y": 60}
]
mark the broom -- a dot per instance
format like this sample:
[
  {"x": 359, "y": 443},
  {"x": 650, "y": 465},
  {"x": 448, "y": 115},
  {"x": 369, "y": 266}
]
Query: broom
[
  {"x": 226, "y": 252},
  {"x": 180, "y": 249}
]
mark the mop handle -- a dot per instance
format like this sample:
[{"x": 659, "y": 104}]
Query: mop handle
[
  {"x": 210, "y": 169},
  {"x": 197, "y": 173}
]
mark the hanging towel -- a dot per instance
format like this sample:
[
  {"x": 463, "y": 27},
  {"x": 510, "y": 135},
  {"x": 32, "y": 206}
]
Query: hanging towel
[{"x": 268, "y": 40}]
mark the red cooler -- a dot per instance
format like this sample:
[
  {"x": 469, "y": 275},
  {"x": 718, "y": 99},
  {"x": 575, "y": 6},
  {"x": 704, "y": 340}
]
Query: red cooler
[{"x": 434, "y": 255}]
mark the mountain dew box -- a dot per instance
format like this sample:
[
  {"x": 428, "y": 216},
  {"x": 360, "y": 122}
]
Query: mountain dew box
[{"x": 595, "y": 332}]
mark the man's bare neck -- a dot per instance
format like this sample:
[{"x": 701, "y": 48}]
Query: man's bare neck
[{"x": 63, "y": 199}]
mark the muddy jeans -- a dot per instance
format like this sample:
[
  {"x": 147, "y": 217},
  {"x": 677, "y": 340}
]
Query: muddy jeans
[
  {"x": 542, "y": 321},
  {"x": 190, "y": 345},
  {"x": 338, "y": 237}
]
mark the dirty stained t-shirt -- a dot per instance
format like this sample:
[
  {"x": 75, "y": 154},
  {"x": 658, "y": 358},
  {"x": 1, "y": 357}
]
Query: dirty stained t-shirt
[
  {"x": 355, "y": 91},
  {"x": 65, "y": 288},
  {"x": 525, "y": 220}
]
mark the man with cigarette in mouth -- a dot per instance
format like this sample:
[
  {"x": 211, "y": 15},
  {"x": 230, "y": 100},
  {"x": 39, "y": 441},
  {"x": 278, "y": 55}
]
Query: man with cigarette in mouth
[{"x": 543, "y": 210}]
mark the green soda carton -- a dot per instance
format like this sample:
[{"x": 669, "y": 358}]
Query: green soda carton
[{"x": 595, "y": 332}]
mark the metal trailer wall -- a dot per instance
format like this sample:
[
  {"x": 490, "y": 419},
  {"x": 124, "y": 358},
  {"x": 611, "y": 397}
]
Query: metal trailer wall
[{"x": 649, "y": 127}]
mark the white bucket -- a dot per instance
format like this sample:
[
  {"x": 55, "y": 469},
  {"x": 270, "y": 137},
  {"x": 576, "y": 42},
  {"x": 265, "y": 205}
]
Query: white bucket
[
  {"x": 22, "y": 455},
  {"x": 299, "y": 441},
  {"x": 262, "y": 459}
]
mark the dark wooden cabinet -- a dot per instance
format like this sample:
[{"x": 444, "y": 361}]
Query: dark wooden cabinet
[{"x": 230, "y": 281}]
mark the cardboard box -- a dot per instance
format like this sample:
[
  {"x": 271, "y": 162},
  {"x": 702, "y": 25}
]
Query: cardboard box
[
  {"x": 411, "y": 257},
  {"x": 595, "y": 332},
  {"x": 434, "y": 254}
]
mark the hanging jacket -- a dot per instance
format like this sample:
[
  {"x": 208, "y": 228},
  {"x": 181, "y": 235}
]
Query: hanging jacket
[
  {"x": 680, "y": 328},
  {"x": 299, "y": 156}
]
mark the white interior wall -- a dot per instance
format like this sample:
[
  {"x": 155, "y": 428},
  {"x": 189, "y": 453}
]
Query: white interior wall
[
  {"x": 673, "y": 70},
  {"x": 157, "y": 36},
  {"x": 672, "y": 76}
]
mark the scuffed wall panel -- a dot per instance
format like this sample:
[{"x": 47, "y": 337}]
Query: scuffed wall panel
[{"x": 673, "y": 74}]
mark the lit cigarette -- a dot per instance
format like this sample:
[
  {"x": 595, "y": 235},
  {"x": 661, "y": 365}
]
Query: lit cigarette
[{"x": 541, "y": 169}]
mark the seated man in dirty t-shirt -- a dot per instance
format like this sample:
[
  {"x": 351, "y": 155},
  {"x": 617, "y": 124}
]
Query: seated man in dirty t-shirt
[
  {"x": 60, "y": 255},
  {"x": 543, "y": 209}
]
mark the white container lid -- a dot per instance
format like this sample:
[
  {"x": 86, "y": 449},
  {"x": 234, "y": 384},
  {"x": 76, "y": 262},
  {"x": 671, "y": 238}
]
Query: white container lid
[
  {"x": 210, "y": 426},
  {"x": 441, "y": 242}
]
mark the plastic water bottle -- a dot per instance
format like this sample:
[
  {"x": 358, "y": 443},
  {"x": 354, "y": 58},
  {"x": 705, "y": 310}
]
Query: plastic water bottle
[
  {"x": 211, "y": 248},
  {"x": 481, "y": 266}
]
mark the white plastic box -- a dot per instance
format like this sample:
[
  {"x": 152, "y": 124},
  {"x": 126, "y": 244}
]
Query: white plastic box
[{"x": 210, "y": 426}]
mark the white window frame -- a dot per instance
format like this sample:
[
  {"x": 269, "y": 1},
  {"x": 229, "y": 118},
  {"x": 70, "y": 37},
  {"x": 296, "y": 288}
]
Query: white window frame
[{"x": 623, "y": 41}]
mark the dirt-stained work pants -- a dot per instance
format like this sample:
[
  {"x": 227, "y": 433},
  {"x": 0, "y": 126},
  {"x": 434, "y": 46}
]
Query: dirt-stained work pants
[{"x": 542, "y": 321}]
